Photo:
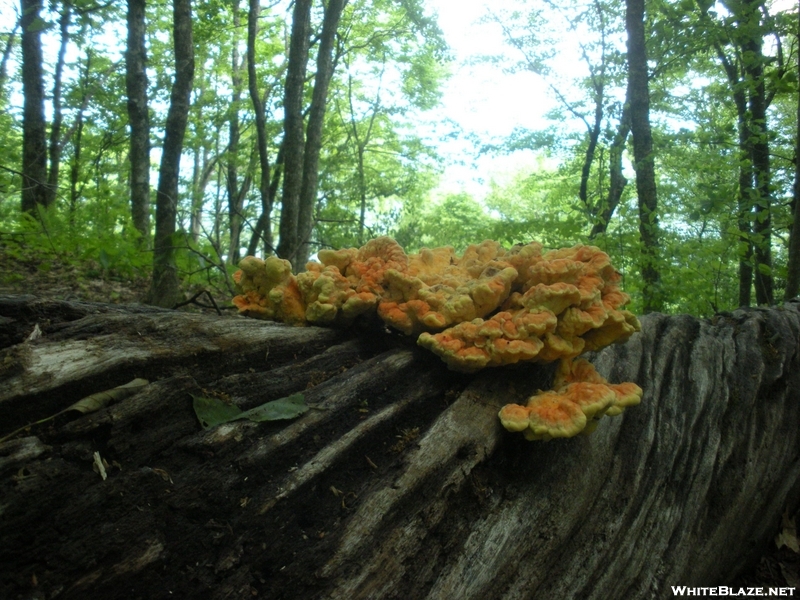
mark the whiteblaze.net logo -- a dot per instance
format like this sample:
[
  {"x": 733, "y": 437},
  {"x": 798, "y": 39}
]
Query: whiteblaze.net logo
[{"x": 722, "y": 590}]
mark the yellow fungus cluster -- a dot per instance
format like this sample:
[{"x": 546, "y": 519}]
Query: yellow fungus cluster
[
  {"x": 580, "y": 399},
  {"x": 487, "y": 307}
]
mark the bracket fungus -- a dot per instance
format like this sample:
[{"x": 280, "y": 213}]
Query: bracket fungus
[{"x": 489, "y": 307}]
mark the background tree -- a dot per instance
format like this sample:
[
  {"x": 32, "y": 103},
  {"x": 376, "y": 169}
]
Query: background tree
[
  {"x": 793, "y": 267},
  {"x": 34, "y": 145},
  {"x": 138, "y": 116},
  {"x": 164, "y": 290},
  {"x": 638, "y": 98}
]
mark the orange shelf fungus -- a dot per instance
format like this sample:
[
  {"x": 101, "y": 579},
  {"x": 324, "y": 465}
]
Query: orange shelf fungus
[{"x": 486, "y": 308}]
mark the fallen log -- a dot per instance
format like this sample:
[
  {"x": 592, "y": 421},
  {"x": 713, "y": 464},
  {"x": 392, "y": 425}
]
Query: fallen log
[{"x": 399, "y": 480}]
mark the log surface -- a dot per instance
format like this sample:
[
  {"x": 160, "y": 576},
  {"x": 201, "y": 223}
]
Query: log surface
[{"x": 399, "y": 482}]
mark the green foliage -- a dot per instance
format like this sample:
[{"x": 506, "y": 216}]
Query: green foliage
[
  {"x": 212, "y": 411},
  {"x": 378, "y": 173}
]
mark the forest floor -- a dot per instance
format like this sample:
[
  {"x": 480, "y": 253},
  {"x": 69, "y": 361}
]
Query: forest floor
[{"x": 777, "y": 567}]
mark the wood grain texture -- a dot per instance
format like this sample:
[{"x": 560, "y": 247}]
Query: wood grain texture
[{"x": 399, "y": 482}]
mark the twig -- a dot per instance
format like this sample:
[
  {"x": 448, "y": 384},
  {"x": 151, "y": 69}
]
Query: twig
[{"x": 193, "y": 300}]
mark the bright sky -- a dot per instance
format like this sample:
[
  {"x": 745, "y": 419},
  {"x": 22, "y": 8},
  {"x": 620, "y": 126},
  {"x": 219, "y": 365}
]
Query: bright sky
[
  {"x": 480, "y": 101},
  {"x": 483, "y": 100}
]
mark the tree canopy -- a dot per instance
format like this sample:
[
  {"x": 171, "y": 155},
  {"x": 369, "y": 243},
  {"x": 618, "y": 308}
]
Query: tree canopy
[{"x": 305, "y": 126}]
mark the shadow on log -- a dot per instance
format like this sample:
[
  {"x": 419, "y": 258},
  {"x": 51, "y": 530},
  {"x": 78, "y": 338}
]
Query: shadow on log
[{"x": 399, "y": 482}]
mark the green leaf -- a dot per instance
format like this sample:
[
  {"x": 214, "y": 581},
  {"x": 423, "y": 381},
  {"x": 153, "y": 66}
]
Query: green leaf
[
  {"x": 284, "y": 408},
  {"x": 212, "y": 412}
]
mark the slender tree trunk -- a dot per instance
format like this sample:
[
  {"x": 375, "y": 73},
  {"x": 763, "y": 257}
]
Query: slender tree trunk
[
  {"x": 164, "y": 290},
  {"x": 202, "y": 171},
  {"x": 316, "y": 119},
  {"x": 235, "y": 198},
  {"x": 793, "y": 269},
  {"x": 138, "y": 117},
  {"x": 75, "y": 167},
  {"x": 262, "y": 231},
  {"x": 263, "y": 228},
  {"x": 58, "y": 116},
  {"x": 361, "y": 143},
  {"x": 591, "y": 149},
  {"x": 639, "y": 98},
  {"x": 749, "y": 92},
  {"x": 197, "y": 198},
  {"x": 744, "y": 200},
  {"x": 293, "y": 129},
  {"x": 758, "y": 133},
  {"x": 617, "y": 180},
  {"x": 34, "y": 139},
  {"x": 745, "y": 203}
]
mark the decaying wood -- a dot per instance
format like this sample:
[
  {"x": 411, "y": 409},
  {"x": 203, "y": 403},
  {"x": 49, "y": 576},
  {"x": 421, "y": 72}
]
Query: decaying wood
[{"x": 399, "y": 481}]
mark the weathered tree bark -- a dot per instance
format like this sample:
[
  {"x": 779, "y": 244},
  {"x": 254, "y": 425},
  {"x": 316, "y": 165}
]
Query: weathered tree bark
[{"x": 399, "y": 481}]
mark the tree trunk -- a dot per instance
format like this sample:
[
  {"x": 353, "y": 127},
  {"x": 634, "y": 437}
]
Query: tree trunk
[
  {"x": 138, "y": 117},
  {"x": 316, "y": 119},
  {"x": 617, "y": 180},
  {"x": 164, "y": 290},
  {"x": 235, "y": 195},
  {"x": 793, "y": 268},
  {"x": 749, "y": 23},
  {"x": 744, "y": 203},
  {"x": 54, "y": 151},
  {"x": 75, "y": 190},
  {"x": 360, "y": 144},
  {"x": 263, "y": 230},
  {"x": 639, "y": 98},
  {"x": 293, "y": 134},
  {"x": 399, "y": 481},
  {"x": 34, "y": 139}
]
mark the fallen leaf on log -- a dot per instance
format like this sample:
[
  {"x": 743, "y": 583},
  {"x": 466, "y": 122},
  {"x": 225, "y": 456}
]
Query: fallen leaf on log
[{"x": 212, "y": 412}]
